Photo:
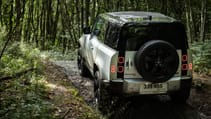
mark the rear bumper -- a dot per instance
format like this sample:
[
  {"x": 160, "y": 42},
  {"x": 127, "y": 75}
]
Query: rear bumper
[{"x": 132, "y": 86}]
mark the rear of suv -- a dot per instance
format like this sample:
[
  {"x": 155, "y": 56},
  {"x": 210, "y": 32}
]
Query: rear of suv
[{"x": 136, "y": 53}]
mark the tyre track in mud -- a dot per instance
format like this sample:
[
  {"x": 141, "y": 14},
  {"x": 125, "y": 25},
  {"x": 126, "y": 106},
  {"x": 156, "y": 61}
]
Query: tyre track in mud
[
  {"x": 84, "y": 85},
  {"x": 142, "y": 107}
]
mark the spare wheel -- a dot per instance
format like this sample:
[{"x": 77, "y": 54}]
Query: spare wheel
[{"x": 157, "y": 61}]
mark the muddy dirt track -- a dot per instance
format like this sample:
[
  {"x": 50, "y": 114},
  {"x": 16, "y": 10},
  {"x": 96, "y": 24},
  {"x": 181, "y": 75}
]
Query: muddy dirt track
[{"x": 142, "y": 107}]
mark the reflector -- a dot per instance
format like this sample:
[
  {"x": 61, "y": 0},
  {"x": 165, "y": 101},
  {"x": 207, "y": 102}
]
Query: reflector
[
  {"x": 190, "y": 66},
  {"x": 184, "y": 67},
  {"x": 120, "y": 69},
  {"x": 121, "y": 60},
  {"x": 184, "y": 58}
]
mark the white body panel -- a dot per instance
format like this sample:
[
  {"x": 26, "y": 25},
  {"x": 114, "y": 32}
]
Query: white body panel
[{"x": 97, "y": 53}]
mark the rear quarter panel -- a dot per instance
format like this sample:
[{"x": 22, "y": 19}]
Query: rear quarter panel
[{"x": 104, "y": 56}]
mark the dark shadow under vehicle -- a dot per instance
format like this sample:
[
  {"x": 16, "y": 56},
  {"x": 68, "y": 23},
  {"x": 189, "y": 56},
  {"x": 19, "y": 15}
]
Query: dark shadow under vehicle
[{"x": 154, "y": 107}]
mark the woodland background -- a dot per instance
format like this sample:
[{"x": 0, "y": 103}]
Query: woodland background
[
  {"x": 50, "y": 24},
  {"x": 33, "y": 28}
]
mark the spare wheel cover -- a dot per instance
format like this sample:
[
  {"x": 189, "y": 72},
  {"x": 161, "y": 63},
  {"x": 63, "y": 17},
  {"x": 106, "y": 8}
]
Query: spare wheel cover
[{"x": 157, "y": 61}]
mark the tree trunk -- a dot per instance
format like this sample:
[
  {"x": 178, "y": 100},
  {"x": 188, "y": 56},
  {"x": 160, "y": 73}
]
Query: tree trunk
[
  {"x": 18, "y": 18},
  {"x": 93, "y": 11},
  {"x": 190, "y": 22},
  {"x": 9, "y": 34},
  {"x": 164, "y": 6},
  {"x": 37, "y": 9},
  {"x": 1, "y": 12},
  {"x": 55, "y": 23},
  {"x": 203, "y": 18},
  {"x": 43, "y": 24},
  {"x": 78, "y": 16},
  {"x": 82, "y": 14},
  {"x": 87, "y": 12}
]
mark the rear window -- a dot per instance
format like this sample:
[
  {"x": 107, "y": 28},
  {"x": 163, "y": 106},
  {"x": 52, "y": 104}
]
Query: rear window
[{"x": 136, "y": 35}]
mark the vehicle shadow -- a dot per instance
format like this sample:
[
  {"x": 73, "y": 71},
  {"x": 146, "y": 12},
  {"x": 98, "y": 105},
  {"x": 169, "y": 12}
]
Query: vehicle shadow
[{"x": 154, "y": 107}]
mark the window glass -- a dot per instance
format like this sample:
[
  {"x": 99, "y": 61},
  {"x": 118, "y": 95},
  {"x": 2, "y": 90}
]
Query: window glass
[
  {"x": 137, "y": 35},
  {"x": 111, "y": 38},
  {"x": 99, "y": 29}
]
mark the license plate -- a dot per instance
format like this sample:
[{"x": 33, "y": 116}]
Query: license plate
[{"x": 155, "y": 88}]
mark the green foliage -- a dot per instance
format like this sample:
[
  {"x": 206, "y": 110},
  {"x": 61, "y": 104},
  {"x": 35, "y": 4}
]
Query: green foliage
[
  {"x": 18, "y": 57},
  {"x": 23, "y": 97},
  {"x": 202, "y": 56},
  {"x": 21, "y": 101}
]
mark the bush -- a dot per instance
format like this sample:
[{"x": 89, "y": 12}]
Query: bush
[
  {"x": 23, "y": 97},
  {"x": 202, "y": 56}
]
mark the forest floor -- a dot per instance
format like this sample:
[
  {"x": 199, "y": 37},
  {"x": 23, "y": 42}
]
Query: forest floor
[
  {"x": 67, "y": 99},
  {"x": 200, "y": 97},
  {"x": 66, "y": 72}
]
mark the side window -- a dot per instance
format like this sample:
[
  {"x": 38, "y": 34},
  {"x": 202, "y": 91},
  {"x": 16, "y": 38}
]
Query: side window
[
  {"x": 111, "y": 38},
  {"x": 99, "y": 29}
]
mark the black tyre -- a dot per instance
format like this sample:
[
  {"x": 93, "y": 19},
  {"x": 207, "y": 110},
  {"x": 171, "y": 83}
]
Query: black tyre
[
  {"x": 103, "y": 99},
  {"x": 83, "y": 70},
  {"x": 157, "y": 61},
  {"x": 180, "y": 96},
  {"x": 183, "y": 94}
]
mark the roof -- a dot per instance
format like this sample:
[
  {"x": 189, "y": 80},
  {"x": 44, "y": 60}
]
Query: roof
[{"x": 135, "y": 16}]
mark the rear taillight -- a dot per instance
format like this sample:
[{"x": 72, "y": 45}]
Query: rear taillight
[
  {"x": 184, "y": 62},
  {"x": 184, "y": 67},
  {"x": 184, "y": 58},
  {"x": 120, "y": 67},
  {"x": 113, "y": 69},
  {"x": 121, "y": 60},
  {"x": 187, "y": 65}
]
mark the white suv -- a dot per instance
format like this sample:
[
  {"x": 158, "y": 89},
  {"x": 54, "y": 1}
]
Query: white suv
[{"x": 136, "y": 53}]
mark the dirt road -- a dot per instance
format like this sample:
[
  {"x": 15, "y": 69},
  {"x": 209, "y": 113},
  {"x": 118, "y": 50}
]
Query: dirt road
[{"x": 144, "y": 107}]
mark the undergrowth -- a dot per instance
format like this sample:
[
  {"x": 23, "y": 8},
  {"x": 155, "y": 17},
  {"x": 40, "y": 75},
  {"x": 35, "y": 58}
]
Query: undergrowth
[
  {"x": 202, "y": 57},
  {"x": 58, "y": 54},
  {"x": 21, "y": 97},
  {"x": 24, "y": 93}
]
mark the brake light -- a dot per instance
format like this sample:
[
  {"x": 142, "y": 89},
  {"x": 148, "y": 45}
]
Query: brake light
[
  {"x": 120, "y": 66},
  {"x": 121, "y": 60},
  {"x": 184, "y": 58},
  {"x": 184, "y": 67},
  {"x": 184, "y": 62},
  {"x": 120, "y": 69}
]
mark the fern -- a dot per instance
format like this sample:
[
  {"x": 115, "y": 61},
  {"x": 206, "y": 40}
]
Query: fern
[{"x": 202, "y": 56}]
